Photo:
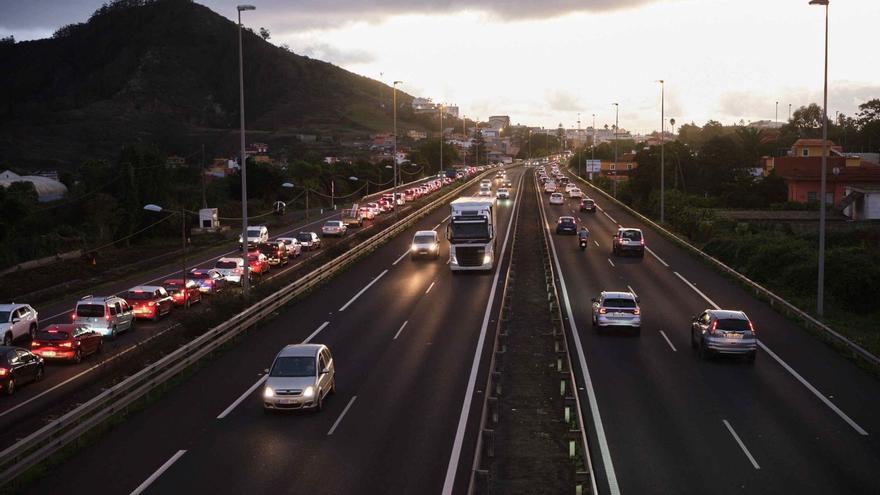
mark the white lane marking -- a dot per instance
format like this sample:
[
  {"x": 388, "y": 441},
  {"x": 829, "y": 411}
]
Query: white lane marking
[
  {"x": 353, "y": 299},
  {"x": 668, "y": 341},
  {"x": 596, "y": 242},
  {"x": 436, "y": 227},
  {"x": 655, "y": 255},
  {"x": 263, "y": 378},
  {"x": 704, "y": 296},
  {"x": 445, "y": 219},
  {"x": 588, "y": 382},
  {"x": 633, "y": 291},
  {"x": 339, "y": 419},
  {"x": 610, "y": 262},
  {"x": 430, "y": 287},
  {"x": 791, "y": 371},
  {"x": 448, "y": 260},
  {"x": 454, "y": 457},
  {"x": 242, "y": 397},
  {"x": 400, "y": 330},
  {"x": 89, "y": 370},
  {"x": 609, "y": 216},
  {"x": 401, "y": 257},
  {"x": 813, "y": 389},
  {"x": 741, "y": 444},
  {"x": 316, "y": 332},
  {"x": 153, "y": 477}
]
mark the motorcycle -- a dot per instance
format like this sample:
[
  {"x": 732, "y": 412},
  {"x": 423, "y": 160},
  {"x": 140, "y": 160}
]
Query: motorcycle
[{"x": 583, "y": 243}]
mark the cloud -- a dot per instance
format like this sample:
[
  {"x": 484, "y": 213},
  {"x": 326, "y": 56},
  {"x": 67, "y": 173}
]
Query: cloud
[
  {"x": 843, "y": 96},
  {"x": 562, "y": 101},
  {"x": 323, "y": 51}
]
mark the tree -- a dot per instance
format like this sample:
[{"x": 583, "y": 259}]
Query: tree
[
  {"x": 807, "y": 120},
  {"x": 7, "y": 40},
  {"x": 264, "y": 33}
]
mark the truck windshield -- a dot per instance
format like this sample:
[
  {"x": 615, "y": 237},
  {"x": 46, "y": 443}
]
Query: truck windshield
[{"x": 469, "y": 231}]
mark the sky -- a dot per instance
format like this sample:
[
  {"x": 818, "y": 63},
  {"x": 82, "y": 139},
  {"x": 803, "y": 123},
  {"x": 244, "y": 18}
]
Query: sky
[{"x": 544, "y": 61}]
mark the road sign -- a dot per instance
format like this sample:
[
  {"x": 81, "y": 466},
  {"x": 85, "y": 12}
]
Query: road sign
[{"x": 594, "y": 165}]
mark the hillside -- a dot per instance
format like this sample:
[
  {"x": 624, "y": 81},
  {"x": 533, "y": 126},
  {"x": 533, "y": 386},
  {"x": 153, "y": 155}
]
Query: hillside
[{"x": 166, "y": 72}]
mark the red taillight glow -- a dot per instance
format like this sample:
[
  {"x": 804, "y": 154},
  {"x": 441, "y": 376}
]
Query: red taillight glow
[
  {"x": 107, "y": 317},
  {"x": 713, "y": 326},
  {"x": 65, "y": 344},
  {"x": 3, "y": 371},
  {"x": 151, "y": 303},
  {"x": 751, "y": 327},
  {"x": 35, "y": 343},
  {"x": 602, "y": 311},
  {"x": 73, "y": 316}
]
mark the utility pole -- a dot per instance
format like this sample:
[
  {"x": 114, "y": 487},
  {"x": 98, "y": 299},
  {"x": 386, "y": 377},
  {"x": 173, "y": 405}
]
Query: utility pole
[
  {"x": 245, "y": 276},
  {"x": 662, "y": 154},
  {"x": 394, "y": 158},
  {"x": 820, "y": 291},
  {"x": 441, "y": 135},
  {"x": 616, "y": 123}
]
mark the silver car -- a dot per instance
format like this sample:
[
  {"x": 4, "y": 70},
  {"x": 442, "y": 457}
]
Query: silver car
[
  {"x": 617, "y": 309},
  {"x": 720, "y": 331},
  {"x": 425, "y": 243},
  {"x": 106, "y": 315},
  {"x": 301, "y": 376}
]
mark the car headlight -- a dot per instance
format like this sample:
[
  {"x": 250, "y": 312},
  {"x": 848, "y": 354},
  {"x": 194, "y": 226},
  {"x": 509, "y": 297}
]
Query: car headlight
[
  {"x": 487, "y": 259},
  {"x": 268, "y": 392},
  {"x": 434, "y": 247},
  {"x": 309, "y": 392},
  {"x": 414, "y": 248}
]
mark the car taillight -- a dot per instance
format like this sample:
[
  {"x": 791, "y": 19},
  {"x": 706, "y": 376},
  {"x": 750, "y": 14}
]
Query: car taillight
[
  {"x": 73, "y": 316},
  {"x": 602, "y": 311},
  {"x": 637, "y": 311},
  {"x": 34, "y": 343},
  {"x": 107, "y": 317},
  {"x": 238, "y": 270},
  {"x": 713, "y": 326},
  {"x": 751, "y": 327},
  {"x": 4, "y": 371},
  {"x": 65, "y": 344}
]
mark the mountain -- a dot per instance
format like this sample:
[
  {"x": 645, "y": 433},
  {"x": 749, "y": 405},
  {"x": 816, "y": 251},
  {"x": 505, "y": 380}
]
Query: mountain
[{"x": 166, "y": 72}]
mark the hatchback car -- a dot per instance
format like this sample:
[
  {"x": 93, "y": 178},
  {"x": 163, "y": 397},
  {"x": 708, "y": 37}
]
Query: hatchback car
[
  {"x": 557, "y": 199},
  {"x": 67, "y": 342},
  {"x": 210, "y": 281},
  {"x": 549, "y": 187},
  {"x": 628, "y": 240},
  {"x": 309, "y": 240},
  {"x": 149, "y": 301},
  {"x": 617, "y": 309},
  {"x": 294, "y": 248},
  {"x": 231, "y": 269},
  {"x": 275, "y": 252},
  {"x": 334, "y": 227},
  {"x": 502, "y": 193},
  {"x": 575, "y": 193},
  {"x": 108, "y": 316},
  {"x": 258, "y": 263},
  {"x": 721, "y": 331},
  {"x": 566, "y": 225},
  {"x": 485, "y": 191},
  {"x": 425, "y": 243},
  {"x": 16, "y": 321},
  {"x": 301, "y": 376},
  {"x": 17, "y": 367},
  {"x": 180, "y": 295},
  {"x": 588, "y": 205}
]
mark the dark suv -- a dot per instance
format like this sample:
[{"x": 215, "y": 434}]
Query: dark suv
[
  {"x": 588, "y": 205},
  {"x": 275, "y": 252}
]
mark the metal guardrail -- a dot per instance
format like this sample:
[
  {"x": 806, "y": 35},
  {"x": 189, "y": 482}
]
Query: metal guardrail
[
  {"x": 39, "y": 445},
  {"x": 760, "y": 291}
]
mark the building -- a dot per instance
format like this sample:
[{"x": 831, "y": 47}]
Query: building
[
  {"x": 47, "y": 189},
  {"x": 416, "y": 135},
  {"x": 766, "y": 124},
  {"x": 451, "y": 111},
  {"x": 863, "y": 202},
  {"x": 845, "y": 176},
  {"x": 499, "y": 122},
  {"x": 423, "y": 105}
]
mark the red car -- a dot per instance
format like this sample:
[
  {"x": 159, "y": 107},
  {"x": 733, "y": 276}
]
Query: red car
[
  {"x": 68, "y": 341},
  {"x": 258, "y": 263},
  {"x": 182, "y": 297},
  {"x": 148, "y": 301}
]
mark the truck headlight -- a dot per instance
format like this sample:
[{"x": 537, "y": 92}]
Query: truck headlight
[
  {"x": 268, "y": 392},
  {"x": 309, "y": 392},
  {"x": 487, "y": 259}
]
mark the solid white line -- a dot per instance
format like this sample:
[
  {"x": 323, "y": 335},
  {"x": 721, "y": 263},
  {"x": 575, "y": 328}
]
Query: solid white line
[
  {"x": 791, "y": 371},
  {"x": 143, "y": 486},
  {"x": 401, "y": 257},
  {"x": 596, "y": 242},
  {"x": 813, "y": 389},
  {"x": 633, "y": 291},
  {"x": 316, "y": 332},
  {"x": 668, "y": 341},
  {"x": 401, "y": 329},
  {"x": 430, "y": 287},
  {"x": 741, "y": 444},
  {"x": 436, "y": 227},
  {"x": 655, "y": 255},
  {"x": 452, "y": 467},
  {"x": 353, "y": 299},
  {"x": 704, "y": 296},
  {"x": 610, "y": 262},
  {"x": 333, "y": 428},
  {"x": 609, "y": 216},
  {"x": 242, "y": 397},
  {"x": 445, "y": 219},
  {"x": 588, "y": 382}
]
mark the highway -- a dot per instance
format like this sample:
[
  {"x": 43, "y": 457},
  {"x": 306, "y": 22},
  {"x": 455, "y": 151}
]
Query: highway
[
  {"x": 802, "y": 419},
  {"x": 25, "y": 409},
  {"x": 404, "y": 336}
]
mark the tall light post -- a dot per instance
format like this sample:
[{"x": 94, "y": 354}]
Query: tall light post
[
  {"x": 776, "y": 118},
  {"x": 616, "y": 124},
  {"x": 182, "y": 213},
  {"x": 662, "y": 149},
  {"x": 440, "y": 106},
  {"x": 820, "y": 291},
  {"x": 394, "y": 157},
  {"x": 245, "y": 278},
  {"x": 593, "y": 143}
]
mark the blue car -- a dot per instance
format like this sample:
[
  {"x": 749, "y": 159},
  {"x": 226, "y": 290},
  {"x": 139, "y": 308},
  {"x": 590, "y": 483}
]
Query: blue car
[{"x": 566, "y": 225}]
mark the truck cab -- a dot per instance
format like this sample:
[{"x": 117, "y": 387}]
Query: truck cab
[{"x": 471, "y": 234}]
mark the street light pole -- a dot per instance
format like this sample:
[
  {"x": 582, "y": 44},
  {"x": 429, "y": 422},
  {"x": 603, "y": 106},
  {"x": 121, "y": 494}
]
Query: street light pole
[
  {"x": 662, "y": 150},
  {"x": 441, "y": 135},
  {"x": 396, "y": 182},
  {"x": 820, "y": 291},
  {"x": 776, "y": 118},
  {"x": 245, "y": 277},
  {"x": 593, "y": 144},
  {"x": 616, "y": 124}
]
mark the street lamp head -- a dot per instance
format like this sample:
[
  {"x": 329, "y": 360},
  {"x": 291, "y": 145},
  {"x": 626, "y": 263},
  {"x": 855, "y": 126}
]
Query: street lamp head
[
  {"x": 398, "y": 82},
  {"x": 152, "y": 207},
  {"x": 353, "y": 178},
  {"x": 245, "y": 7},
  {"x": 660, "y": 81},
  {"x": 819, "y": 2},
  {"x": 287, "y": 185}
]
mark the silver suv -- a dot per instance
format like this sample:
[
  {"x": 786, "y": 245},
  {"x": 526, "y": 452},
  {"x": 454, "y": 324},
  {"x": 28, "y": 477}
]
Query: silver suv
[
  {"x": 617, "y": 309},
  {"x": 720, "y": 331},
  {"x": 16, "y": 321},
  {"x": 107, "y": 316},
  {"x": 301, "y": 376}
]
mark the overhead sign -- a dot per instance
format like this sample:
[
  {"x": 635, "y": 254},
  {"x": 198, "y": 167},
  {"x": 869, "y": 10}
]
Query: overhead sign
[{"x": 594, "y": 165}]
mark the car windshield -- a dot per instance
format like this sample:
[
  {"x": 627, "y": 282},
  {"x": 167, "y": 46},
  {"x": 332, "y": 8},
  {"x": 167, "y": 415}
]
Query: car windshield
[
  {"x": 90, "y": 310},
  {"x": 138, "y": 295},
  {"x": 4, "y": 315},
  {"x": 304, "y": 237},
  {"x": 226, "y": 265},
  {"x": 253, "y": 233},
  {"x": 423, "y": 239},
  {"x": 52, "y": 335},
  {"x": 632, "y": 235},
  {"x": 293, "y": 366},
  {"x": 619, "y": 303},
  {"x": 566, "y": 220},
  {"x": 734, "y": 325}
]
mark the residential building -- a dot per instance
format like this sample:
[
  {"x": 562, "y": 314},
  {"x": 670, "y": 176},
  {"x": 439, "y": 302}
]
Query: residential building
[
  {"x": 416, "y": 135},
  {"x": 864, "y": 202},
  {"x": 499, "y": 122},
  {"x": 423, "y": 105}
]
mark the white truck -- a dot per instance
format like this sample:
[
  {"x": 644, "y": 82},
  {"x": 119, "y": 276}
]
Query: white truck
[{"x": 471, "y": 234}]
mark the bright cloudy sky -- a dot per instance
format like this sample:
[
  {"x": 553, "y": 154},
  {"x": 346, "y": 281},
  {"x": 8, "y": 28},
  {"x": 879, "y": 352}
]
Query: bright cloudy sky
[{"x": 543, "y": 61}]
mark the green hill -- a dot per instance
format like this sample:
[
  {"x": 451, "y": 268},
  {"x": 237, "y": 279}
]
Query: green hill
[{"x": 165, "y": 72}]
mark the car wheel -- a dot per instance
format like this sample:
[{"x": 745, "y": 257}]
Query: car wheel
[
  {"x": 320, "y": 406},
  {"x": 77, "y": 356},
  {"x": 186, "y": 303},
  {"x": 100, "y": 348},
  {"x": 10, "y": 387},
  {"x": 7, "y": 339},
  {"x": 332, "y": 387},
  {"x": 113, "y": 334}
]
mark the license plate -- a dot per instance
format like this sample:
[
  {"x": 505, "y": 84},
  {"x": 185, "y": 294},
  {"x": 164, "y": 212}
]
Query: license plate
[
  {"x": 288, "y": 401},
  {"x": 49, "y": 353},
  {"x": 733, "y": 335}
]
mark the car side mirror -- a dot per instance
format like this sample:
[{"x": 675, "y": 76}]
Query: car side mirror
[
  {"x": 592, "y": 299},
  {"x": 266, "y": 371}
]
